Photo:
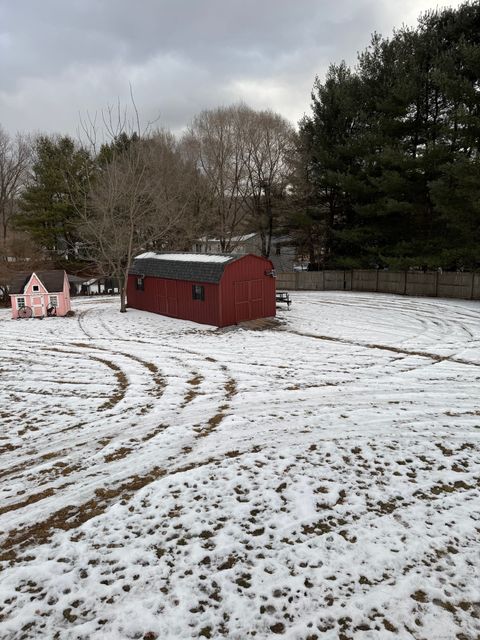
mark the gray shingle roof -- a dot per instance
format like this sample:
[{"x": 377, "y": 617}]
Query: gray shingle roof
[
  {"x": 51, "y": 280},
  {"x": 191, "y": 270}
]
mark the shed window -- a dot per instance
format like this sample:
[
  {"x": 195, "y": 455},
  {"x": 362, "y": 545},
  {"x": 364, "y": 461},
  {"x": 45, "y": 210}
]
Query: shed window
[
  {"x": 20, "y": 303},
  {"x": 54, "y": 301},
  {"x": 139, "y": 284},
  {"x": 35, "y": 288},
  {"x": 198, "y": 292}
]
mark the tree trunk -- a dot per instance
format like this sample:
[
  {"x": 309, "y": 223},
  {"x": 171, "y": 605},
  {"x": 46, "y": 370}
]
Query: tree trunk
[
  {"x": 269, "y": 211},
  {"x": 270, "y": 232},
  {"x": 122, "y": 283},
  {"x": 4, "y": 223},
  {"x": 263, "y": 240}
]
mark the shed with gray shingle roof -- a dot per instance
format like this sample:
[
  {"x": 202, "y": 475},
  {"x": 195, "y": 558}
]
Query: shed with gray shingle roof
[{"x": 215, "y": 289}]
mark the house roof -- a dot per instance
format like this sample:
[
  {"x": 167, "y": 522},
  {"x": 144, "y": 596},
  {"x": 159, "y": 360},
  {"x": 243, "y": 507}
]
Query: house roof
[
  {"x": 75, "y": 279},
  {"x": 195, "y": 267},
  {"x": 51, "y": 280},
  {"x": 234, "y": 239}
]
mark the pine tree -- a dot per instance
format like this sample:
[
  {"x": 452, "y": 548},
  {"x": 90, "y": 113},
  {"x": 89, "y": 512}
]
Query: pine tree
[
  {"x": 48, "y": 206},
  {"x": 390, "y": 151}
]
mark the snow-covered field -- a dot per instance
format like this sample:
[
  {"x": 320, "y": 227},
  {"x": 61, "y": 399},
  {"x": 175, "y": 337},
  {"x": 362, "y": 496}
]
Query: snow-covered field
[{"x": 315, "y": 480}]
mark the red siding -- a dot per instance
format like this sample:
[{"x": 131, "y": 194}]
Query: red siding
[
  {"x": 244, "y": 293},
  {"x": 174, "y": 298}
]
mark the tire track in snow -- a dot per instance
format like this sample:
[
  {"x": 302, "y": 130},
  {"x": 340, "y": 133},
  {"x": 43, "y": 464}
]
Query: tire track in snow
[
  {"x": 121, "y": 452},
  {"x": 382, "y": 347},
  {"x": 73, "y": 516}
]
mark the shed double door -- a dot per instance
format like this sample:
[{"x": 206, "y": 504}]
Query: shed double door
[
  {"x": 248, "y": 300},
  {"x": 167, "y": 298}
]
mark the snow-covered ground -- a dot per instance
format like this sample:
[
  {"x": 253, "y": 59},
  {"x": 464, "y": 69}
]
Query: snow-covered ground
[{"x": 316, "y": 480}]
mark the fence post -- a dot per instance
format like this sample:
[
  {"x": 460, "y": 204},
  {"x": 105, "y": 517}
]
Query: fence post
[
  {"x": 473, "y": 285},
  {"x": 376, "y": 282},
  {"x": 436, "y": 283},
  {"x": 405, "y": 273}
]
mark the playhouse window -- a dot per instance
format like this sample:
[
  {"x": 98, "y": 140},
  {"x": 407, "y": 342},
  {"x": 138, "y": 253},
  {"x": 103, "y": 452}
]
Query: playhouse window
[
  {"x": 54, "y": 301},
  {"x": 35, "y": 288},
  {"x": 20, "y": 303},
  {"x": 198, "y": 292},
  {"x": 139, "y": 284}
]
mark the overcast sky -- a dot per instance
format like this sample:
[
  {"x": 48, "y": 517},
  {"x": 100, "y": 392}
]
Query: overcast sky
[{"x": 60, "y": 59}]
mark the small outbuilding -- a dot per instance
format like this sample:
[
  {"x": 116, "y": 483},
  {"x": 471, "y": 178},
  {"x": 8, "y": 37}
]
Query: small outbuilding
[
  {"x": 215, "y": 289},
  {"x": 40, "y": 293}
]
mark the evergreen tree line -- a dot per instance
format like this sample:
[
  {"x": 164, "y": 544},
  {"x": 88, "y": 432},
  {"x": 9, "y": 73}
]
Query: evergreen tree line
[{"x": 389, "y": 168}]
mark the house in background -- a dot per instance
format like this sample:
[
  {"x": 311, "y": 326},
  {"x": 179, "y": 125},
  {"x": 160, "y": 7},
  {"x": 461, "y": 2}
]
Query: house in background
[
  {"x": 215, "y": 289},
  {"x": 283, "y": 251},
  {"x": 101, "y": 285},
  {"x": 76, "y": 283},
  {"x": 248, "y": 243},
  {"x": 38, "y": 294}
]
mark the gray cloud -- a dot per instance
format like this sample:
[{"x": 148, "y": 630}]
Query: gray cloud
[{"x": 60, "y": 59}]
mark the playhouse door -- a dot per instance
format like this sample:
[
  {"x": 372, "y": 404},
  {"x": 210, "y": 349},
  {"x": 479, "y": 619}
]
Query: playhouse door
[{"x": 38, "y": 307}]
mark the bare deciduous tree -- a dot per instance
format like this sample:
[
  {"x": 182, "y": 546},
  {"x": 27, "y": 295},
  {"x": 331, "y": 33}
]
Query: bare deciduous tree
[
  {"x": 268, "y": 148},
  {"x": 133, "y": 204},
  {"x": 15, "y": 158},
  {"x": 216, "y": 139},
  {"x": 245, "y": 157}
]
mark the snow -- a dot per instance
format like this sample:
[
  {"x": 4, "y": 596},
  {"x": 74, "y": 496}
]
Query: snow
[
  {"x": 242, "y": 238},
  {"x": 185, "y": 257},
  {"x": 321, "y": 479}
]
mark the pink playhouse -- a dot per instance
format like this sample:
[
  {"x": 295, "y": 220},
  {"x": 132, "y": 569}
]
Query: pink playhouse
[{"x": 39, "y": 294}]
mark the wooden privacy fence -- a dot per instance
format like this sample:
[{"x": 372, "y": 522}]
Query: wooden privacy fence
[{"x": 411, "y": 283}]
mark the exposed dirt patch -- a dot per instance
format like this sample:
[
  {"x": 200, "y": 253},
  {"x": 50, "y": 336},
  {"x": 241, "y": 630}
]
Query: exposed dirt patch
[
  {"x": 230, "y": 388},
  {"x": 119, "y": 454},
  {"x": 261, "y": 324},
  {"x": 35, "y": 497},
  {"x": 122, "y": 384},
  {"x": 151, "y": 434},
  {"x": 8, "y": 447},
  {"x": 212, "y": 424},
  {"x": 194, "y": 382},
  {"x": 73, "y": 516}
]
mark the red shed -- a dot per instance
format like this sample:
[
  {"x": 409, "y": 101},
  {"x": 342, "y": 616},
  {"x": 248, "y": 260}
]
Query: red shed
[{"x": 211, "y": 289}]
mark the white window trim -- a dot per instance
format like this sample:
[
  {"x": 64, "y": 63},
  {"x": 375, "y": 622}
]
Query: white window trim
[
  {"x": 20, "y": 306},
  {"x": 53, "y": 301}
]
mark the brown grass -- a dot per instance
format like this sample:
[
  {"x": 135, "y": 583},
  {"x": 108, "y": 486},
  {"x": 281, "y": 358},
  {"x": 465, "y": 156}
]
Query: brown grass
[
  {"x": 119, "y": 454},
  {"x": 230, "y": 388},
  {"x": 122, "y": 384},
  {"x": 73, "y": 516},
  {"x": 191, "y": 394},
  {"x": 34, "y": 497},
  {"x": 212, "y": 424}
]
